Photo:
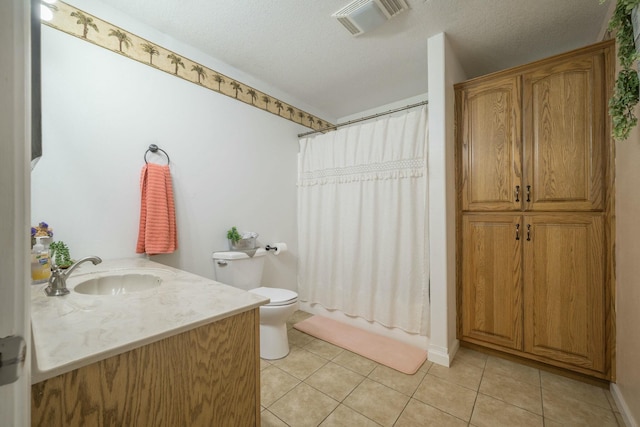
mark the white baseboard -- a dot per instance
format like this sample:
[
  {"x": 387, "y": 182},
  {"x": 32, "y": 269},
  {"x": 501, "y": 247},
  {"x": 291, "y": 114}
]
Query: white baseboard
[
  {"x": 441, "y": 355},
  {"x": 623, "y": 407}
]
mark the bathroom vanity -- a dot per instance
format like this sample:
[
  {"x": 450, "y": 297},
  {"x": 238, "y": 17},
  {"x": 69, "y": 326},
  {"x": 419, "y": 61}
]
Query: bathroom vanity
[{"x": 182, "y": 352}]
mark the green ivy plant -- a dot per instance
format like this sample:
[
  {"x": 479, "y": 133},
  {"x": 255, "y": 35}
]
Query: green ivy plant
[
  {"x": 627, "y": 88},
  {"x": 60, "y": 254},
  {"x": 233, "y": 235}
]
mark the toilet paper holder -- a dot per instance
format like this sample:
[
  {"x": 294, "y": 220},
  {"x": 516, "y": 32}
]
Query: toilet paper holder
[{"x": 277, "y": 248}]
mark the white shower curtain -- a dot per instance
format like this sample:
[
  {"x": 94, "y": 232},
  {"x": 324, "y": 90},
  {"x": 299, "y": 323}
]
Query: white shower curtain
[{"x": 362, "y": 215}]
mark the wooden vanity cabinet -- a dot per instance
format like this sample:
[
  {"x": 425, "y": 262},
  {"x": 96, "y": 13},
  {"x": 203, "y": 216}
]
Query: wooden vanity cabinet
[
  {"x": 208, "y": 376},
  {"x": 534, "y": 211}
]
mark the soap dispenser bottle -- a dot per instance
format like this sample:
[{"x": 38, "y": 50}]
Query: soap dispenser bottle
[{"x": 40, "y": 265}]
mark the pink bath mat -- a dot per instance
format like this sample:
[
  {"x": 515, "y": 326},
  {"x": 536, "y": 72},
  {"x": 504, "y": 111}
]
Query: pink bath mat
[{"x": 386, "y": 351}]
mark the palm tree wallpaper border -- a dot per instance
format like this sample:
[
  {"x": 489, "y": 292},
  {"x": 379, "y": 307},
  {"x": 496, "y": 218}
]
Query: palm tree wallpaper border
[{"x": 85, "y": 26}]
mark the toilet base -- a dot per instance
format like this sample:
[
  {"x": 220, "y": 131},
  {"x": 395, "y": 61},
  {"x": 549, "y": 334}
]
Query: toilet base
[{"x": 274, "y": 343}]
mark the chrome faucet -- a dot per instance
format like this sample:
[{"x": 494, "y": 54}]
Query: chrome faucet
[{"x": 58, "y": 280}]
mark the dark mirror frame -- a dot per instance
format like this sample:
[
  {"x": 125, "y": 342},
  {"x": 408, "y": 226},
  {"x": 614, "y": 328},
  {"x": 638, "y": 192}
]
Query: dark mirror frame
[{"x": 36, "y": 98}]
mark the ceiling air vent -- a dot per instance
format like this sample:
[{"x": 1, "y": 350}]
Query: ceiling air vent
[{"x": 361, "y": 16}]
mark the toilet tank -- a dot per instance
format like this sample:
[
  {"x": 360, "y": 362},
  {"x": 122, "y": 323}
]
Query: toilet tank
[{"x": 238, "y": 269}]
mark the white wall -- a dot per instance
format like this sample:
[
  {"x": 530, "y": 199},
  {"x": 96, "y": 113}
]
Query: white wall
[
  {"x": 384, "y": 108},
  {"x": 444, "y": 70},
  {"x": 453, "y": 74},
  {"x": 627, "y": 387},
  {"x": 232, "y": 164}
]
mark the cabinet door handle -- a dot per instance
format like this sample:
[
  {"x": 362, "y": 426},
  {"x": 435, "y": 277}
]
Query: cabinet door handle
[
  {"x": 528, "y": 232},
  {"x": 517, "y": 231},
  {"x": 517, "y": 193},
  {"x": 528, "y": 193}
]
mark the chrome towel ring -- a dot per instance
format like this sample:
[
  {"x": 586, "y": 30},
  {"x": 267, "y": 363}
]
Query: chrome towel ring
[{"x": 154, "y": 149}]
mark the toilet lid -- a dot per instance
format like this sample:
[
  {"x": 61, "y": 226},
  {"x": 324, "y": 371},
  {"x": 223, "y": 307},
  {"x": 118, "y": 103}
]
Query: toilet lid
[{"x": 276, "y": 295}]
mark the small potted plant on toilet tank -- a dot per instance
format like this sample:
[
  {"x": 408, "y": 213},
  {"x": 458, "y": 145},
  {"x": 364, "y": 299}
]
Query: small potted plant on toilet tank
[{"x": 240, "y": 241}]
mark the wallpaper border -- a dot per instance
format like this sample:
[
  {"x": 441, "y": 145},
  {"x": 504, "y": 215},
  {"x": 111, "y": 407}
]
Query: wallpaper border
[{"x": 87, "y": 27}]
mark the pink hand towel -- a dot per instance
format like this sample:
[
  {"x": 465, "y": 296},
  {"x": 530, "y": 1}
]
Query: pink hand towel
[{"x": 157, "y": 232}]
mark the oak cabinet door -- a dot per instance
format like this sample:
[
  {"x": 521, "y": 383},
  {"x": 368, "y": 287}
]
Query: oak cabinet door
[
  {"x": 564, "y": 288},
  {"x": 492, "y": 279},
  {"x": 490, "y": 137},
  {"x": 564, "y": 134}
]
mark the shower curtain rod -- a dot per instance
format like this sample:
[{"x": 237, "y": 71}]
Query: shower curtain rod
[{"x": 373, "y": 116}]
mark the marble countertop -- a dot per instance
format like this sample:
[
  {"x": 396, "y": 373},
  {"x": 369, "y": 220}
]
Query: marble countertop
[{"x": 75, "y": 330}]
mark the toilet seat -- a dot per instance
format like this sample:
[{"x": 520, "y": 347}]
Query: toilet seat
[{"x": 277, "y": 296}]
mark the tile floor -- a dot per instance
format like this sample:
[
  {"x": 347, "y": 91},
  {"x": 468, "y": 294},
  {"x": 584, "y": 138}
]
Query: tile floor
[{"x": 319, "y": 384}]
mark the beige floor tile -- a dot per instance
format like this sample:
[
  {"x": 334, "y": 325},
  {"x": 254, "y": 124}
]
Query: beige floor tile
[
  {"x": 405, "y": 384},
  {"x": 448, "y": 397},
  {"x": 490, "y": 412},
  {"x": 335, "y": 381},
  {"x": 355, "y": 362},
  {"x": 418, "y": 414},
  {"x": 459, "y": 373},
  {"x": 526, "y": 396},
  {"x": 471, "y": 357},
  {"x": 513, "y": 370},
  {"x": 275, "y": 383},
  {"x": 343, "y": 416},
  {"x": 323, "y": 349},
  {"x": 269, "y": 420},
  {"x": 306, "y": 387},
  {"x": 567, "y": 410},
  {"x": 576, "y": 390},
  {"x": 377, "y": 402},
  {"x": 300, "y": 363},
  {"x": 425, "y": 366},
  {"x": 299, "y": 339},
  {"x": 303, "y": 406},
  {"x": 297, "y": 316},
  {"x": 551, "y": 423}
]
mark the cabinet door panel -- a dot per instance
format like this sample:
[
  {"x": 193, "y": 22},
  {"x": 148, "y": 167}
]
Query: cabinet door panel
[
  {"x": 564, "y": 288},
  {"x": 564, "y": 133},
  {"x": 492, "y": 279},
  {"x": 491, "y": 146}
]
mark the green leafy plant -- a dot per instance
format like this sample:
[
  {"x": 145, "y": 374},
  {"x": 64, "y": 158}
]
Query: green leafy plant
[
  {"x": 627, "y": 88},
  {"x": 60, "y": 254},
  {"x": 233, "y": 235}
]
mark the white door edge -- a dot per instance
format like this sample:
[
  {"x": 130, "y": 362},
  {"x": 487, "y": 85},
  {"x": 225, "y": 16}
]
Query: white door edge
[{"x": 15, "y": 146}]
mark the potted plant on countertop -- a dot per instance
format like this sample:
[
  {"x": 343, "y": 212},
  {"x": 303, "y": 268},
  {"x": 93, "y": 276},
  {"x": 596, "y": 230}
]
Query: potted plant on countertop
[
  {"x": 627, "y": 88},
  {"x": 60, "y": 254}
]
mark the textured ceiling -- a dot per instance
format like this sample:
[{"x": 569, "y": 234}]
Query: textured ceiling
[{"x": 297, "y": 47}]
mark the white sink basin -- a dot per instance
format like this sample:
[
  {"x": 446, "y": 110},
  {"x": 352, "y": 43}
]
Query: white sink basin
[{"x": 118, "y": 284}]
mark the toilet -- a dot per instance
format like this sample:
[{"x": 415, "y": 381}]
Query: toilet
[{"x": 240, "y": 270}]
